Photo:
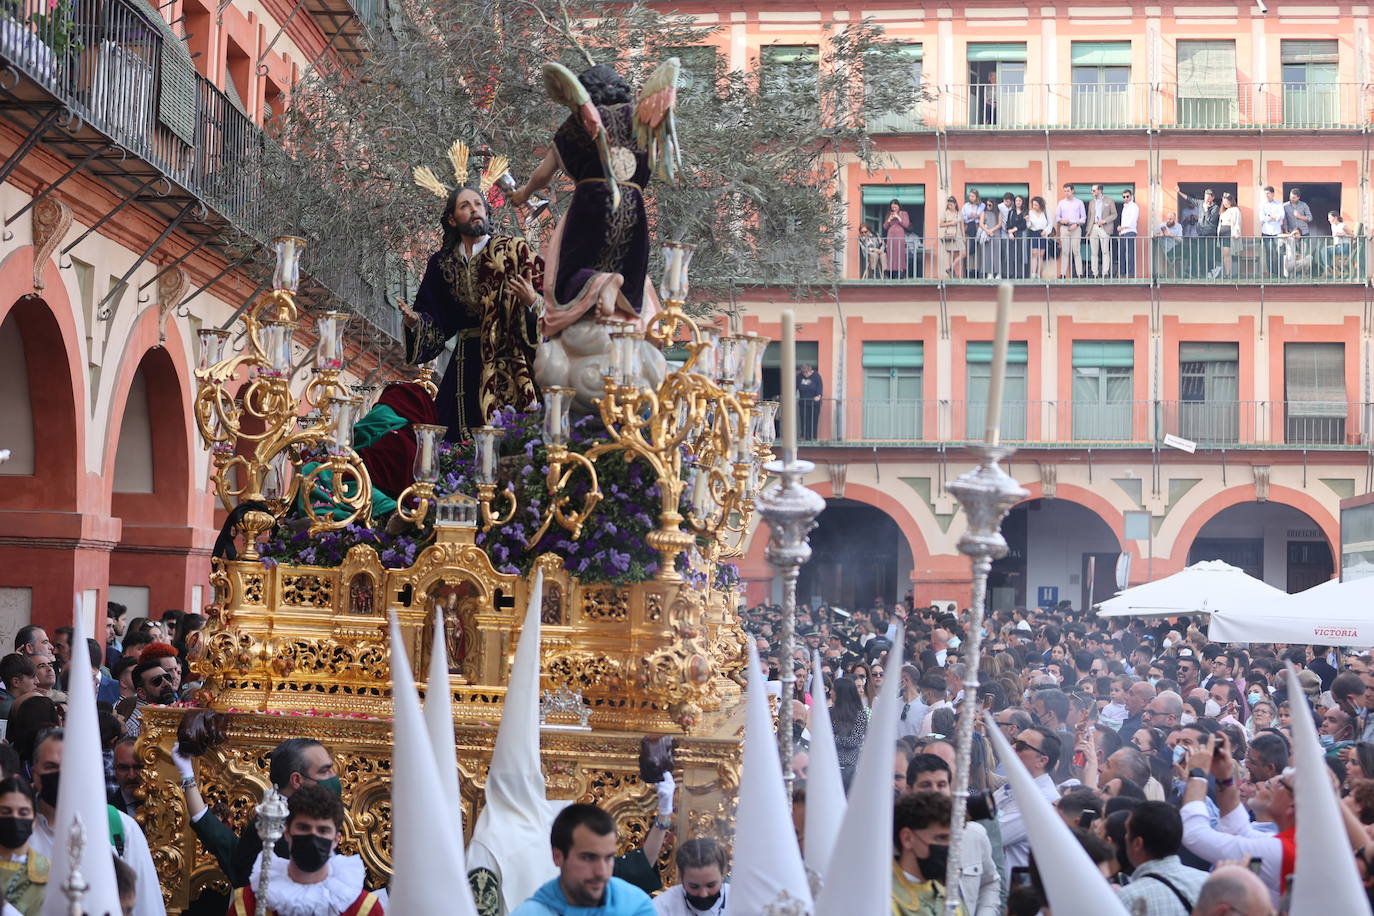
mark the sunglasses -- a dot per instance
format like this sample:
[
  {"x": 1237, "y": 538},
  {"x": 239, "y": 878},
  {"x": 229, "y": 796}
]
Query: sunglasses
[
  {"x": 1020, "y": 745},
  {"x": 159, "y": 679}
]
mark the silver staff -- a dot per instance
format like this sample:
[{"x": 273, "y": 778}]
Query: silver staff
[
  {"x": 74, "y": 887},
  {"x": 790, "y": 509},
  {"x": 272, "y": 814},
  {"x": 987, "y": 494}
]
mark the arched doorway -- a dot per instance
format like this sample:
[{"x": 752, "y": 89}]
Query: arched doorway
[
  {"x": 150, "y": 487},
  {"x": 1271, "y": 541},
  {"x": 858, "y": 553},
  {"x": 41, "y": 492},
  {"x": 1052, "y": 547}
]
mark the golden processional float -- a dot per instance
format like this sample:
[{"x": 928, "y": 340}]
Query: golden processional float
[{"x": 639, "y": 630}]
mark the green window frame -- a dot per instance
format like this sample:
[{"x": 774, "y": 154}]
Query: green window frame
[
  {"x": 1311, "y": 95},
  {"x": 700, "y": 66},
  {"x": 1209, "y": 391},
  {"x": 996, "y": 51},
  {"x": 893, "y": 374},
  {"x": 790, "y": 68},
  {"x": 1208, "y": 93},
  {"x": 1103, "y": 387},
  {"x": 1315, "y": 401},
  {"x": 1015, "y": 407},
  {"x": 995, "y": 191},
  {"x": 880, "y": 67}
]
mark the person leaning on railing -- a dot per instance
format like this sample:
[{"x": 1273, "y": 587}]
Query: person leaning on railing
[
  {"x": 1168, "y": 245},
  {"x": 870, "y": 254},
  {"x": 1340, "y": 246},
  {"x": 951, "y": 249}
]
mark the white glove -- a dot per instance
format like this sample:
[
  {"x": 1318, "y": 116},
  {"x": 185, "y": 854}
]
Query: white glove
[
  {"x": 666, "y": 788},
  {"x": 186, "y": 767}
]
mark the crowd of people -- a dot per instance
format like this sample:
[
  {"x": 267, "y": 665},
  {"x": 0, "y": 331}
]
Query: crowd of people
[
  {"x": 1169, "y": 756},
  {"x": 1017, "y": 236}
]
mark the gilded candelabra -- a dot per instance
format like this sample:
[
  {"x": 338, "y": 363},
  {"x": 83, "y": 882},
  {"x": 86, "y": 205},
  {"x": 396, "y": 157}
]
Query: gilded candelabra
[
  {"x": 702, "y": 427},
  {"x": 265, "y": 453}
]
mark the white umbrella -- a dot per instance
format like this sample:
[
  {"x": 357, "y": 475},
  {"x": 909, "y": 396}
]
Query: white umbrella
[
  {"x": 1203, "y": 588},
  {"x": 1333, "y": 613}
]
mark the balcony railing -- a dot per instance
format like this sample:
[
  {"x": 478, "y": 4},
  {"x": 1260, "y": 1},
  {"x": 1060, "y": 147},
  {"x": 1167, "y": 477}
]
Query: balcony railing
[
  {"x": 1122, "y": 106},
  {"x": 1089, "y": 424},
  {"x": 114, "y": 68},
  {"x": 1108, "y": 260}
]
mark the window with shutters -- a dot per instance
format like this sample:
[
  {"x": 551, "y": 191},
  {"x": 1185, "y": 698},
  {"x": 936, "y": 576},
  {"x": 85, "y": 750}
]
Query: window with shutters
[
  {"x": 1310, "y": 92},
  {"x": 1014, "y": 405},
  {"x": 890, "y": 81},
  {"x": 791, "y": 75},
  {"x": 1103, "y": 374},
  {"x": 997, "y": 84},
  {"x": 1101, "y": 74},
  {"x": 892, "y": 389},
  {"x": 1207, "y": 88},
  {"x": 1209, "y": 390},
  {"x": 1314, "y": 393},
  {"x": 879, "y": 255},
  {"x": 700, "y": 66}
]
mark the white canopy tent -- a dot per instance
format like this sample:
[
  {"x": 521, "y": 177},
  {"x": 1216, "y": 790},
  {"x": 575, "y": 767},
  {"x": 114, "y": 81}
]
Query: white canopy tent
[
  {"x": 1203, "y": 588},
  {"x": 1333, "y": 613}
]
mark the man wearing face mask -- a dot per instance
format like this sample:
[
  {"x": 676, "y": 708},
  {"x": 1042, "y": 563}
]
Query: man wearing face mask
[
  {"x": 980, "y": 883},
  {"x": 296, "y": 763},
  {"x": 126, "y": 837},
  {"x": 920, "y": 835},
  {"x": 315, "y": 880}
]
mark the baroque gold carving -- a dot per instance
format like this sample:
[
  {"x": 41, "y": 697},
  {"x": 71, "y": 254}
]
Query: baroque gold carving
[
  {"x": 51, "y": 219},
  {"x": 600, "y": 767}
]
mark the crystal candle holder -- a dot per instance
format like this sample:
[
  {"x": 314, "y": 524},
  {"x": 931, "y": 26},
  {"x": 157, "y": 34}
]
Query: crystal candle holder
[
  {"x": 276, "y": 337},
  {"x": 427, "y": 439},
  {"x": 344, "y": 415},
  {"x": 212, "y": 344},
  {"x": 557, "y": 405},
  {"x": 286, "y": 275},
  {"x": 329, "y": 351},
  {"x": 484, "y": 440}
]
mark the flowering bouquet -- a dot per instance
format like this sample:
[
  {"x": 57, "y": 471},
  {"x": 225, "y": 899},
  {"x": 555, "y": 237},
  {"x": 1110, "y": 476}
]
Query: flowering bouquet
[{"x": 612, "y": 545}]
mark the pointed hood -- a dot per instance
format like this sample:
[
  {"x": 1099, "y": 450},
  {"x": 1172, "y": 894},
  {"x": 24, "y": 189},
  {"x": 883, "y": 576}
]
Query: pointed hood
[
  {"x": 825, "y": 801},
  {"x": 1072, "y": 882},
  {"x": 512, "y": 832},
  {"x": 82, "y": 795},
  {"x": 1324, "y": 879},
  {"x": 439, "y": 720},
  {"x": 767, "y": 866},
  {"x": 422, "y": 845},
  {"x": 859, "y": 876}
]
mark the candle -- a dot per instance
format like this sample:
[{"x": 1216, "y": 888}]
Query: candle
[
  {"x": 789, "y": 387},
  {"x": 993, "y": 433}
]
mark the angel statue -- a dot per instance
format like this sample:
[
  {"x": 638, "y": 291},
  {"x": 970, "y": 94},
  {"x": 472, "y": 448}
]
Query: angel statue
[
  {"x": 483, "y": 289},
  {"x": 598, "y": 256}
]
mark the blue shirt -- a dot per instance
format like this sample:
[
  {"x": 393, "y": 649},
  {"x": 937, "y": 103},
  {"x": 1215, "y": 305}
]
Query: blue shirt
[{"x": 621, "y": 899}]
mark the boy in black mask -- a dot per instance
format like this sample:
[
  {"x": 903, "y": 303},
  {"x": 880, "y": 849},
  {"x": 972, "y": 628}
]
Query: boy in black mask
[
  {"x": 920, "y": 835},
  {"x": 316, "y": 880}
]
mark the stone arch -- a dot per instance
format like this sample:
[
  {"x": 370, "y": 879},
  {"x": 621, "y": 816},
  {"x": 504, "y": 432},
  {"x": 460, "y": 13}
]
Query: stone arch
[
  {"x": 161, "y": 558},
  {"x": 56, "y": 392},
  {"x": 1215, "y": 506},
  {"x": 1054, "y": 544}
]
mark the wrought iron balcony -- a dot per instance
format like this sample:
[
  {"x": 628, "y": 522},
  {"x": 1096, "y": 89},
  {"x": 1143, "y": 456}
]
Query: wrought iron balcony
[
  {"x": 1112, "y": 260},
  {"x": 1096, "y": 423},
  {"x": 1135, "y": 106},
  {"x": 106, "y": 84}
]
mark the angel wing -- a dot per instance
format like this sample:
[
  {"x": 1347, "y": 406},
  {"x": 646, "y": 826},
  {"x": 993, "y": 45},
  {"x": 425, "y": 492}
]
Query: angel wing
[
  {"x": 655, "y": 126},
  {"x": 564, "y": 88}
]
